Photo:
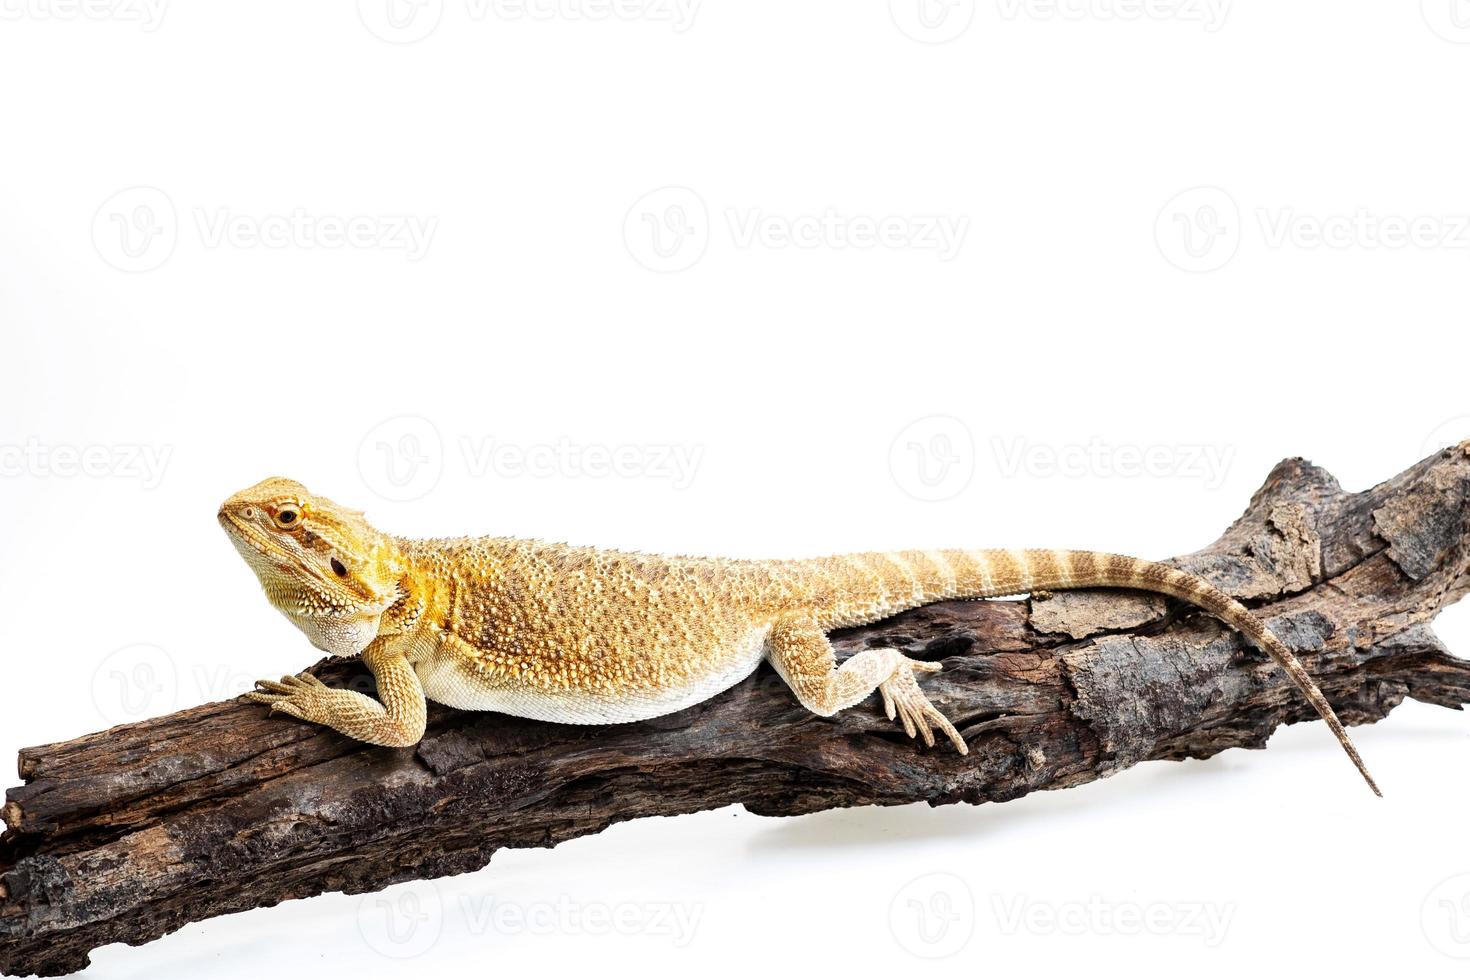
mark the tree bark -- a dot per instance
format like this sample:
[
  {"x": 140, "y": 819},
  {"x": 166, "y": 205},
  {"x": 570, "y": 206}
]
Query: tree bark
[{"x": 126, "y": 835}]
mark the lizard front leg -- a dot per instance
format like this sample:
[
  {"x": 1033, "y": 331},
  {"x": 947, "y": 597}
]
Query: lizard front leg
[
  {"x": 397, "y": 720},
  {"x": 802, "y": 655}
]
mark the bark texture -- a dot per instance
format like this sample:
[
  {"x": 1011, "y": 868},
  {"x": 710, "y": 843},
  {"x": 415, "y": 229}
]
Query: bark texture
[{"x": 128, "y": 834}]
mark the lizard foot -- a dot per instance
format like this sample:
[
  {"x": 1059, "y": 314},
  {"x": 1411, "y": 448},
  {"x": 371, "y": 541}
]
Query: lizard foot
[
  {"x": 902, "y": 698},
  {"x": 299, "y": 695}
]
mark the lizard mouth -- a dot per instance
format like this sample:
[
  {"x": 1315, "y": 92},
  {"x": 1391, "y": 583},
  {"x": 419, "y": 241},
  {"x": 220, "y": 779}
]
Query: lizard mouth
[{"x": 244, "y": 533}]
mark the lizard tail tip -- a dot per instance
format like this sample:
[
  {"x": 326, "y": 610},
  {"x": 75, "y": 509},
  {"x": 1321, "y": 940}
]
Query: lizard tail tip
[{"x": 1368, "y": 778}]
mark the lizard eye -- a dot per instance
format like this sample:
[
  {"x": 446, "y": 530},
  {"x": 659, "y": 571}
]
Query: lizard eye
[
  {"x": 286, "y": 517},
  {"x": 339, "y": 568}
]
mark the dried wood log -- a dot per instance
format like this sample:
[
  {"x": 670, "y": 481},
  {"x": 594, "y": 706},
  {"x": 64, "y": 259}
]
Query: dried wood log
[{"x": 126, "y": 835}]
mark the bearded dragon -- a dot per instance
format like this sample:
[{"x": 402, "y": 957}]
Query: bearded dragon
[{"x": 589, "y": 636}]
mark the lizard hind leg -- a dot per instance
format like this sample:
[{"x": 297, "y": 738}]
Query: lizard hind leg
[{"x": 802, "y": 655}]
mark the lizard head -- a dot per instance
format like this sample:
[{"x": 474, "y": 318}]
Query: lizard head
[{"x": 323, "y": 566}]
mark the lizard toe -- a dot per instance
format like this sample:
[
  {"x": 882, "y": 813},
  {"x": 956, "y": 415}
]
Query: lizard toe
[
  {"x": 288, "y": 707},
  {"x": 903, "y": 696}
]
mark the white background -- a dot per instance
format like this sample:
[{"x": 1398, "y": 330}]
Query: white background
[{"x": 175, "y": 306}]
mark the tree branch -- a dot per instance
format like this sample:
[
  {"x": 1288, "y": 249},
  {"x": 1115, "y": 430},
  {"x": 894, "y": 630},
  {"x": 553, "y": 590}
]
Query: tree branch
[{"x": 126, "y": 835}]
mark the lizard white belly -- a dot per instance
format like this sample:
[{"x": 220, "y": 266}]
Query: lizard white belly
[{"x": 451, "y": 681}]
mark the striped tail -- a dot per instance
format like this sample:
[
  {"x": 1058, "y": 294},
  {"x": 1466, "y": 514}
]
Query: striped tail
[{"x": 912, "y": 578}]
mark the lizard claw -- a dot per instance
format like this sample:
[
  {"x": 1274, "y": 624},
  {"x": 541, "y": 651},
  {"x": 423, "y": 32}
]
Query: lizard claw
[
  {"x": 285, "y": 687},
  {"x": 290, "y": 695},
  {"x": 286, "y": 707},
  {"x": 902, "y": 695}
]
